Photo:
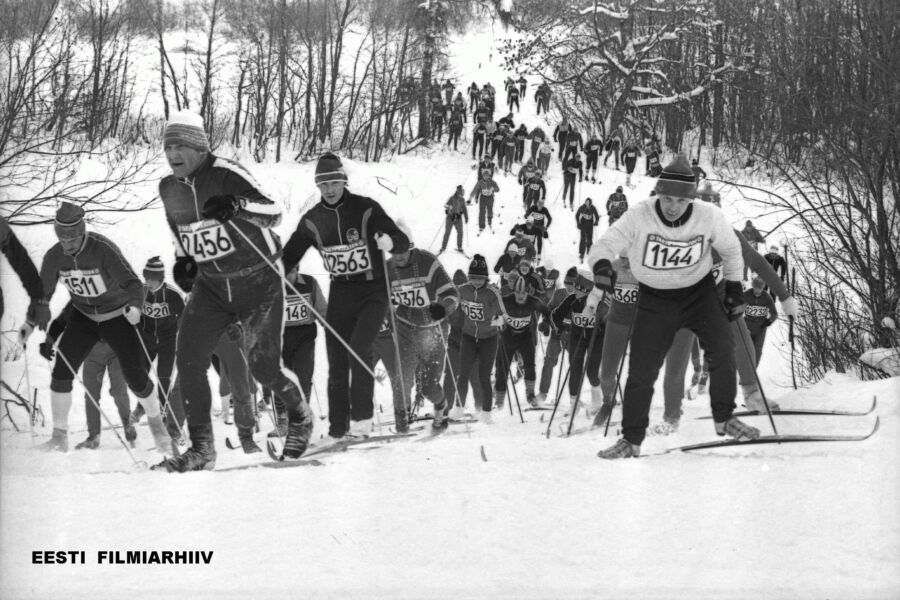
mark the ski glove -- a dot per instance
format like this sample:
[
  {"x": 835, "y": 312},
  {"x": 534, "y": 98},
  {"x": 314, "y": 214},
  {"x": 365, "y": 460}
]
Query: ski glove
[
  {"x": 384, "y": 242},
  {"x": 734, "y": 300},
  {"x": 437, "y": 311},
  {"x": 497, "y": 321},
  {"x": 605, "y": 275},
  {"x": 222, "y": 208},
  {"x": 133, "y": 314},
  {"x": 39, "y": 313},
  {"x": 789, "y": 307},
  {"x": 46, "y": 349},
  {"x": 184, "y": 272}
]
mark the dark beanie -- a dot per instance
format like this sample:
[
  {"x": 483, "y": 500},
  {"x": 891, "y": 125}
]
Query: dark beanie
[
  {"x": 677, "y": 179},
  {"x": 584, "y": 282},
  {"x": 330, "y": 168},
  {"x": 571, "y": 274},
  {"x": 478, "y": 267},
  {"x": 552, "y": 274},
  {"x": 154, "y": 269},
  {"x": 69, "y": 222}
]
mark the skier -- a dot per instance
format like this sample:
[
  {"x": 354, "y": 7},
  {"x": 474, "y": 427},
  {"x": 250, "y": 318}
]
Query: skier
[
  {"x": 459, "y": 104},
  {"x": 456, "y": 213},
  {"x": 455, "y": 127},
  {"x": 586, "y": 219},
  {"x": 753, "y": 236},
  {"x": 537, "y": 137},
  {"x": 616, "y": 205},
  {"x": 523, "y": 83},
  {"x": 572, "y": 167},
  {"x": 221, "y": 221},
  {"x": 630, "y": 155},
  {"x": 100, "y": 360},
  {"x": 484, "y": 315},
  {"x": 424, "y": 296},
  {"x": 474, "y": 96},
  {"x": 498, "y": 136},
  {"x": 698, "y": 171},
  {"x": 613, "y": 143},
  {"x": 760, "y": 314},
  {"x": 574, "y": 143},
  {"x": 509, "y": 152},
  {"x": 525, "y": 173},
  {"x": 350, "y": 232},
  {"x": 38, "y": 313},
  {"x": 484, "y": 189},
  {"x": 106, "y": 297},
  {"x": 522, "y": 312},
  {"x": 560, "y": 136},
  {"x": 437, "y": 123},
  {"x": 544, "y": 154},
  {"x": 521, "y": 239},
  {"x": 708, "y": 194},
  {"x": 777, "y": 261},
  {"x": 486, "y": 166},
  {"x": 534, "y": 283},
  {"x": 479, "y": 137},
  {"x": 481, "y": 114},
  {"x": 512, "y": 97},
  {"x": 540, "y": 220},
  {"x": 653, "y": 165},
  {"x": 585, "y": 344},
  {"x": 542, "y": 97},
  {"x": 669, "y": 243},
  {"x": 592, "y": 151},
  {"x": 451, "y": 368},
  {"x": 559, "y": 336},
  {"x": 507, "y": 262},
  {"x": 521, "y": 135},
  {"x": 448, "y": 88}
]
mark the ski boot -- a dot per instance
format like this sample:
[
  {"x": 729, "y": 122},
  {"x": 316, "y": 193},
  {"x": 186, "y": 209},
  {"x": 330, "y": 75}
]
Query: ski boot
[
  {"x": 737, "y": 429},
  {"x": 201, "y": 456},
  {"x": 58, "y": 442},
  {"x": 753, "y": 399},
  {"x": 621, "y": 449},
  {"x": 245, "y": 436},
  {"x": 603, "y": 414},
  {"x": 441, "y": 421},
  {"x": 401, "y": 421},
  {"x": 130, "y": 434},
  {"x": 300, "y": 426},
  {"x": 666, "y": 427},
  {"x": 91, "y": 443},
  {"x": 529, "y": 393},
  {"x": 160, "y": 435},
  {"x": 486, "y": 418},
  {"x": 457, "y": 413},
  {"x": 136, "y": 415}
]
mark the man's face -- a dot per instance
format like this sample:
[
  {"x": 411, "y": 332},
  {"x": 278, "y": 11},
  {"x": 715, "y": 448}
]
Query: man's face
[
  {"x": 570, "y": 288},
  {"x": 332, "y": 191},
  {"x": 478, "y": 282},
  {"x": 757, "y": 291},
  {"x": 521, "y": 297},
  {"x": 71, "y": 245},
  {"x": 673, "y": 207},
  {"x": 153, "y": 284},
  {"x": 183, "y": 160},
  {"x": 402, "y": 259},
  {"x": 524, "y": 267}
]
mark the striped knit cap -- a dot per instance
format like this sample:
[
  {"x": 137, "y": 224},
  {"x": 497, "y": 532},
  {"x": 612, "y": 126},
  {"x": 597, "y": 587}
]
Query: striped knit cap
[
  {"x": 330, "y": 168},
  {"x": 677, "y": 179},
  {"x": 478, "y": 267},
  {"x": 154, "y": 269},
  {"x": 69, "y": 222},
  {"x": 186, "y": 129}
]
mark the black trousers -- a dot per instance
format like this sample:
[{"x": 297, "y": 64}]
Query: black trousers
[
  {"x": 587, "y": 240},
  {"x": 660, "y": 314},
  {"x": 477, "y": 142},
  {"x": 299, "y": 354},
  {"x": 523, "y": 343},
  {"x": 592, "y": 161},
  {"x": 453, "y": 136},
  {"x": 162, "y": 350},
  {"x": 451, "y": 223},
  {"x": 569, "y": 151},
  {"x": 569, "y": 186},
  {"x": 579, "y": 347},
  {"x": 514, "y": 100},
  {"x": 551, "y": 357},
  {"x": 478, "y": 353}
]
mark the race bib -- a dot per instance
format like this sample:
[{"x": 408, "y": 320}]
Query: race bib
[
  {"x": 296, "y": 311},
  {"x": 663, "y": 254},
  {"x": 756, "y": 312},
  {"x": 518, "y": 322},
  {"x": 718, "y": 273},
  {"x": 156, "y": 310},
  {"x": 538, "y": 217},
  {"x": 487, "y": 191},
  {"x": 631, "y": 155},
  {"x": 534, "y": 186},
  {"x": 205, "y": 240},
  {"x": 473, "y": 310},
  {"x": 87, "y": 283},
  {"x": 582, "y": 321},
  {"x": 413, "y": 296},
  {"x": 347, "y": 260},
  {"x": 626, "y": 293}
]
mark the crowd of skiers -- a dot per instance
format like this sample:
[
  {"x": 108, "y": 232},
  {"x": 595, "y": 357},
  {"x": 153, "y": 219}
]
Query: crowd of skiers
[{"x": 665, "y": 276}]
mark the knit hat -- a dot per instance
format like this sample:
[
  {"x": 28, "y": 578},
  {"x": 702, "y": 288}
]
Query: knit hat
[
  {"x": 478, "y": 267},
  {"x": 552, "y": 274},
  {"x": 459, "y": 277},
  {"x": 584, "y": 282},
  {"x": 619, "y": 189},
  {"x": 677, "y": 179},
  {"x": 154, "y": 269},
  {"x": 571, "y": 274},
  {"x": 186, "y": 128},
  {"x": 69, "y": 222},
  {"x": 330, "y": 168}
]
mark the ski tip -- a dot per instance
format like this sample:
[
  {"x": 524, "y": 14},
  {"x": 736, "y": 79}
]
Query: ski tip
[
  {"x": 273, "y": 454},
  {"x": 483, "y": 455}
]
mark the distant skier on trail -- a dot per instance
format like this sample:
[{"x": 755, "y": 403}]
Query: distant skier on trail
[
  {"x": 456, "y": 214},
  {"x": 586, "y": 218},
  {"x": 630, "y": 155},
  {"x": 572, "y": 167},
  {"x": 616, "y": 205},
  {"x": 484, "y": 190},
  {"x": 592, "y": 150}
]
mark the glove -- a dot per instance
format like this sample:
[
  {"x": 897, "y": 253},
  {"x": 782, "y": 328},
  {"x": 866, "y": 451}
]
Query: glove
[
  {"x": 544, "y": 328},
  {"x": 184, "y": 272},
  {"x": 221, "y": 208},
  {"x": 593, "y": 300},
  {"x": 604, "y": 275},
  {"x": 789, "y": 307},
  {"x": 234, "y": 332},
  {"x": 46, "y": 349},
  {"x": 133, "y": 314},
  {"x": 497, "y": 322},
  {"x": 384, "y": 242},
  {"x": 39, "y": 314},
  {"x": 437, "y": 311},
  {"x": 734, "y": 300},
  {"x": 887, "y": 322},
  {"x": 545, "y": 235}
]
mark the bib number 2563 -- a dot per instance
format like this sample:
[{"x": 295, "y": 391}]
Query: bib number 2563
[{"x": 348, "y": 261}]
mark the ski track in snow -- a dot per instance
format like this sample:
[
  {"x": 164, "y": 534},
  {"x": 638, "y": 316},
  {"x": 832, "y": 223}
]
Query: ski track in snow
[{"x": 540, "y": 518}]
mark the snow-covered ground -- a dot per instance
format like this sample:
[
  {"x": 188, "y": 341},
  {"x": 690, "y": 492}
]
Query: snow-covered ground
[{"x": 489, "y": 511}]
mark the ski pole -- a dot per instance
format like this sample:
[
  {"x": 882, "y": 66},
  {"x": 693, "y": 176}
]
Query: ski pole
[
  {"x": 622, "y": 362},
  {"x": 309, "y": 305},
  {"x": 155, "y": 380},
  {"x": 791, "y": 328},
  {"x": 587, "y": 360},
  {"x": 559, "y": 396},
  {"x": 30, "y": 394},
  {"x": 515, "y": 392},
  {"x": 744, "y": 334},
  {"x": 449, "y": 363},
  {"x": 140, "y": 464},
  {"x": 390, "y": 303}
]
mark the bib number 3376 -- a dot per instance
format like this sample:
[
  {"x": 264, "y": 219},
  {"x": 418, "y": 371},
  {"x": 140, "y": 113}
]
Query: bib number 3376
[
  {"x": 662, "y": 253},
  {"x": 206, "y": 240}
]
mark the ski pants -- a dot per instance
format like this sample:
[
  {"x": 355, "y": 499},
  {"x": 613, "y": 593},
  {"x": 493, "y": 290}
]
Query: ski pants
[
  {"x": 257, "y": 301},
  {"x": 421, "y": 352},
  {"x": 453, "y": 136},
  {"x": 539, "y": 243},
  {"x": 660, "y": 314},
  {"x": 615, "y": 153},
  {"x": 235, "y": 381},
  {"x": 355, "y": 311},
  {"x": 478, "y": 353},
  {"x": 163, "y": 351},
  {"x": 759, "y": 338},
  {"x": 437, "y": 129},
  {"x": 485, "y": 209},
  {"x": 569, "y": 186},
  {"x": 103, "y": 359},
  {"x": 510, "y": 343},
  {"x": 498, "y": 150},
  {"x": 299, "y": 355},
  {"x": 522, "y": 89},
  {"x": 520, "y": 151},
  {"x": 514, "y": 100},
  {"x": 569, "y": 151},
  {"x": 541, "y": 102},
  {"x": 615, "y": 344},
  {"x": 587, "y": 240},
  {"x": 592, "y": 158},
  {"x": 698, "y": 361},
  {"x": 451, "y": 223},
  {"x": 630, "y": 164},
  {"x": 551, "y": 357},
  {"x": 544, "y": 162},
  {"x": 562, "y": 148},
  {"x": 477, "y": 142},
  {"x": 584, "y": 355},
  {"x": 534, "y": 151},
  {"x": 451, "y": 371}
]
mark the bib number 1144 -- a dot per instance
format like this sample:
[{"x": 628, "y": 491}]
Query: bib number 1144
[{"x": 661, "y": 253}]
